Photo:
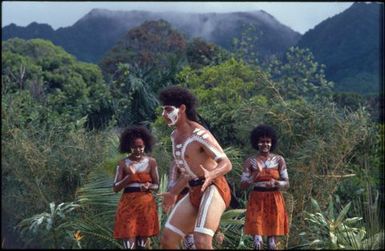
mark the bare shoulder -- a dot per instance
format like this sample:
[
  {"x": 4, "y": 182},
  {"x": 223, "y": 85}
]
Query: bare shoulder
[
  {"x": 203, "y": 133},
  {"x": 152, "y": 161},
  {"x": 122, "y": 162},
  {"x": 277, "y": 156},
  {"x": 248, "y": 159}
]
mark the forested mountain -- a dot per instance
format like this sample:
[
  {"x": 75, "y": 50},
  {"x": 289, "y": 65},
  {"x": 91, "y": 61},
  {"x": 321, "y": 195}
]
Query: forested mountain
[
  {"x": 90, "y": 37},
  {"x": 349, "y": 44}
]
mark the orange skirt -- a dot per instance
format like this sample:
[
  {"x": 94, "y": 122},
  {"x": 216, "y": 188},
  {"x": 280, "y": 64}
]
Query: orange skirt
[
  {"x": 223, "y": 189},
  {"x": 136, "y": 216},
  {"x": 266, "y": 214}
]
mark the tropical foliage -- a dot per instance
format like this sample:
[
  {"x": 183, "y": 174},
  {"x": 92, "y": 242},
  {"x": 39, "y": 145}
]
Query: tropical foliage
[{"x": 61, "y": 121}]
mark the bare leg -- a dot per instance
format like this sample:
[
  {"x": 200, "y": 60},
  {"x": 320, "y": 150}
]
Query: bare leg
[
  {"x": 129, "y": 244},
  {"x": 209, "y": 215},
  {"x": 258, "y": 242},
  {"x": 180, "y": 221},
  {"x": 271, "y": 241},
  {"x": 141, "y": 243}
]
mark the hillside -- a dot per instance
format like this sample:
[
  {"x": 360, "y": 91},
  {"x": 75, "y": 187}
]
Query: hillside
[
  {"x": 349, "y": 44},
  {"x": 90, "y": 37}
]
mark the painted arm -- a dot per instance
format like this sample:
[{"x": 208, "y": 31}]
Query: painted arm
[
  {"x": 119, "y": 181},
  {"x": 246, "y": 177},
  {"x": 283, "y": 182},
  {"x": 154, "y": 176},
  {"x": 215, "y": 151},
  {"x": 172, "y": 176}
]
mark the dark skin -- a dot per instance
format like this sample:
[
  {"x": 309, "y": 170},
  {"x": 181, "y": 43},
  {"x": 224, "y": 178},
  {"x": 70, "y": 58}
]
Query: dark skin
[
  {"x": 264, "y": 146},
  {"x": 137, "y": 155},
  {"x": 124, "y": 172}
]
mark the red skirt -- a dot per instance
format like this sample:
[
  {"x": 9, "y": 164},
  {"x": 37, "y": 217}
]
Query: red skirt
[
  {"x": 223, "y": 189},
  {"x": 266, "y": 214},
  {"x": 136, "y": 216}
]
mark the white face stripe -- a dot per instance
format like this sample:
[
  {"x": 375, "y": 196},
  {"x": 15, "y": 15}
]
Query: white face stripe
[
  {"x": 141, "y": 149},
  {"x": 173, "y": 115},
  {"x": 260, "y": 144}
]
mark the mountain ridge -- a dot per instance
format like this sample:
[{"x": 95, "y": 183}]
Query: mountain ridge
[{"x": 218, "y": 28}]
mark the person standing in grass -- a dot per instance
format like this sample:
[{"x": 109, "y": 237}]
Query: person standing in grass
[
  {"x": 265, "y": 212},
  {"x": 136, "y": 217},
  {"x": 204, "y": 163}
]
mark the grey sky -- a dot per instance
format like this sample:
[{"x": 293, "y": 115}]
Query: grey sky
[{"x": 300, "y": 16}]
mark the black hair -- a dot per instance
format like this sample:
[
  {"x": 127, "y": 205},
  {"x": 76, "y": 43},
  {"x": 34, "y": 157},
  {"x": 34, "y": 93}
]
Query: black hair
[
  {"x": 263, "y": 131},
  {"x": 131, "y": 133},
  {"x": 177, "y": 96}
]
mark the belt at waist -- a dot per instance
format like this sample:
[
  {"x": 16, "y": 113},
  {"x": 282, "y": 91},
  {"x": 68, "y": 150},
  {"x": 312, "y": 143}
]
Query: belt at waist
[
  {"x": 196, "y": 182},
  {"x": 131, "y": 189},
  {"x": 265, "y": 189}
]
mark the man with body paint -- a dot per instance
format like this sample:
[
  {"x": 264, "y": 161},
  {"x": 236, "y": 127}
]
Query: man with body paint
[
  {"x": 265, "y": 212},
  {"x": 136, "y": 216},
  {"x": 174, "y": 174},
  {"x": 203, "y": 162}
]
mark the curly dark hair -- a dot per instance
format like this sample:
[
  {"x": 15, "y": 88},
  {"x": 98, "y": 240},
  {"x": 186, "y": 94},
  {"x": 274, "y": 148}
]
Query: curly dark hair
[
  {"x": 263, "y": 131},
  {"x": 130, "y": 134},
  {"x": 177, "y": 96}
]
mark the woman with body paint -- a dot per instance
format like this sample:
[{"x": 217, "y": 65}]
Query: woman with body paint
[
  {"x": 199, "y": 156},
  {"x": 265, "y": 212},
  {"x": 136, "y": 217}
]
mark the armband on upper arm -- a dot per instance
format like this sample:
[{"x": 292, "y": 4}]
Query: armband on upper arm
[
  {"x": 284, "y": 175},
  {"x": 246, "y": 177}
]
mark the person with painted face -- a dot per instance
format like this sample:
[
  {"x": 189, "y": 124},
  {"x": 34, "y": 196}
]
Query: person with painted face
[
  {"x": 203, "y": 163},
  {"x": 137, "y": 175},
  {"x": 265, "y": 212}
]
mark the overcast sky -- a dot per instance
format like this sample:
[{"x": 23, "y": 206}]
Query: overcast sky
[{"x": 300, "y": 16}]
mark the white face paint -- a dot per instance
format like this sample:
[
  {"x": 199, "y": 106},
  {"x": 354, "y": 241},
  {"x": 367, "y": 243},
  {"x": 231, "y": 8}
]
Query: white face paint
[
  {"x": 138, "y": 151},
  {"x": 264, "y": 144},
  {"x": 171, "y": 112}
]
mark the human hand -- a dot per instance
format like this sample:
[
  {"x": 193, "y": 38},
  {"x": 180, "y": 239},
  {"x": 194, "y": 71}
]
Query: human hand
[
  {"x": 207, "y": 177},
  {"x": 168, "y": 201},
  {"x": 255, "y": 175},
  {"x": 144, "y": 187},
  {"x": 272, "y": 183}
]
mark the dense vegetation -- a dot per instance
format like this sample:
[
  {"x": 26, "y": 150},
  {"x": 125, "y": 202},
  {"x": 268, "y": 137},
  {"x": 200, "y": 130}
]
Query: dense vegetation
[
  {"x": 61, "y": 119},
  {"x": 352, "y": 53},
  {"x": 349, "y": 44}
]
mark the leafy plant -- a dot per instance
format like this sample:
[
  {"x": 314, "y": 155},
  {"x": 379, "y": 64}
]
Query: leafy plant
[
  {"x": 335, "y": 230},
  {"x": 49, "y": 227}
]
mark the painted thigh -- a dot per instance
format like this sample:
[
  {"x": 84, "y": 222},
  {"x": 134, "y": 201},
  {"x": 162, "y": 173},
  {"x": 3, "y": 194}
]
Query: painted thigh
[
  {"x": 182, "y": 217},
  {"x": 210, "y": 211}
]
